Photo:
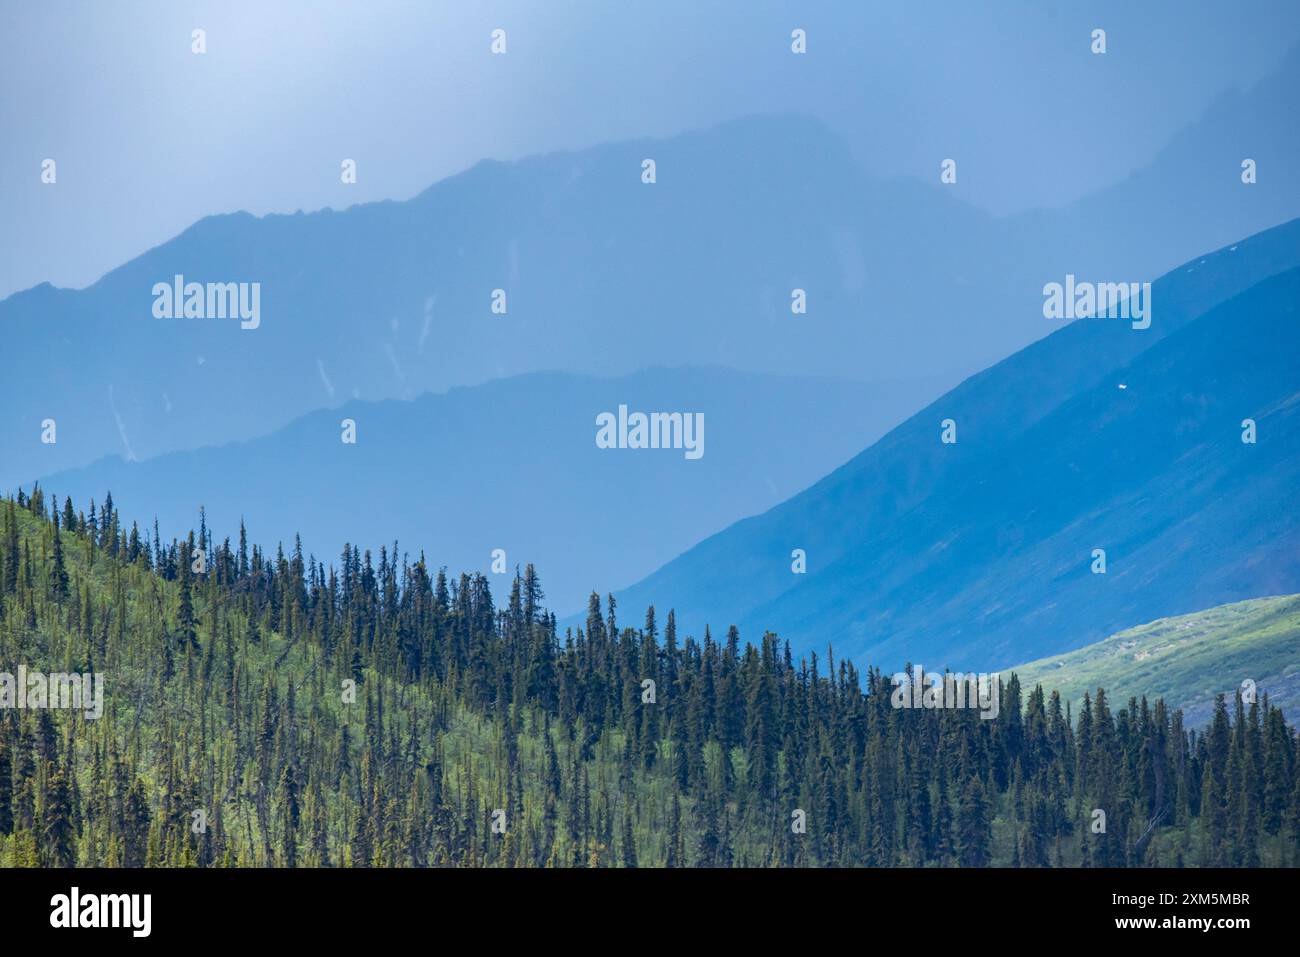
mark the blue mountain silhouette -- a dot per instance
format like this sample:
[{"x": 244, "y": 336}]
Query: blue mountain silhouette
[
  {"x": 513, "y": 464},
  {"x": 605, "y": 275},
  {"x": 979, "y": 554}
]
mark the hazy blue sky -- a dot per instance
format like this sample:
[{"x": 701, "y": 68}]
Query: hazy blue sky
[{"x": 149, "y": 137}]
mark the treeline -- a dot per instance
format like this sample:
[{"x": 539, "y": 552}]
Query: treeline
[{"x": 275, "y": 711}]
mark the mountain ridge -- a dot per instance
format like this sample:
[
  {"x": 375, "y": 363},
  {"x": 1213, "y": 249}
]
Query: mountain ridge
[
  {"x": 740, "y": 575},
  {"x": 514, "y": 464},
  {"x": 604, "y": 273}
]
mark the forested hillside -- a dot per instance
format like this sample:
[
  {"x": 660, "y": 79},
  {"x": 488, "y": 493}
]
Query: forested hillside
[{"x": 233, "y": 734}]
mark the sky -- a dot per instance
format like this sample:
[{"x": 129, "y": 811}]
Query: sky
[{"x": 149, "y": 137}]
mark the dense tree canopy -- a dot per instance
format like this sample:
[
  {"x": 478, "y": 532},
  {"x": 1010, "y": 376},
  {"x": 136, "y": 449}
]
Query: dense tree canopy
[{"x": 265, "y": 710}]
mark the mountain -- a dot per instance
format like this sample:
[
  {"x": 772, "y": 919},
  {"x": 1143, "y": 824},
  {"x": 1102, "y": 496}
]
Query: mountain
[
  {"x": 604, "y": 275},
  {"x": 1187, "y": 660},
  {"x": 514, "y": 465},
  {"x": 978, "y": 554},
  {"x": 1191, "y": 190}
]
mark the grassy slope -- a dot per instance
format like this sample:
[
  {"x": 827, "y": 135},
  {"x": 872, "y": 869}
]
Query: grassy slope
[{"x": 1187, "y": 660}]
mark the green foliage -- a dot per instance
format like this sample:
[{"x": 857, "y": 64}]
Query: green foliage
[{"x": 272, "y": 711}]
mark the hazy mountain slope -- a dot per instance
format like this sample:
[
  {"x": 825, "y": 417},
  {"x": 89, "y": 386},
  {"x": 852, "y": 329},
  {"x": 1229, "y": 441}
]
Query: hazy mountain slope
[
  {"x": 978, "y": 553},
  {"x": 603, "y": 275},
  {"x": 514, "y": 464},
  {"x": 1193, "y": 187},
  {"x": 1187, "y": 660},
  {"x": 606, "y": 275}
]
